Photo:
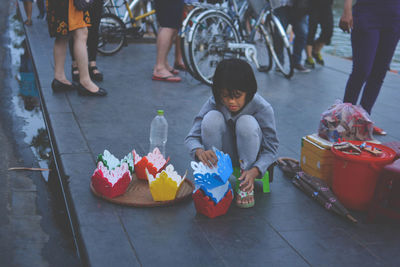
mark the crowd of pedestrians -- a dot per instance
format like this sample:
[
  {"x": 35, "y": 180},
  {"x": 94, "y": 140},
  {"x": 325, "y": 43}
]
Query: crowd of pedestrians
[{"x": 374, "y": 27}]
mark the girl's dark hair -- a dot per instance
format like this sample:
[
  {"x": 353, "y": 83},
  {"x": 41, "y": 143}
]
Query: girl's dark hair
[{"x": 234, "y": 75}]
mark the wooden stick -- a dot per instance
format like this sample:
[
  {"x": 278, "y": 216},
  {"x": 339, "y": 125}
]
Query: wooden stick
[{"x": 27, "y": 169}]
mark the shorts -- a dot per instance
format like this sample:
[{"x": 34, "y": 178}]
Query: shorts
[{"x": 169, "y": 13}]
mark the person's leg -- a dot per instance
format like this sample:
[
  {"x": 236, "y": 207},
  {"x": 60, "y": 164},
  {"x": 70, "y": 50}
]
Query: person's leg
[
  {"x": 300, "y": 29},
  {"x": 178, "y": 63},
  {"x": 28, "y": 11},
  {"x": 59, "y": 53},
  {"x": 215, "y": 132},
  {"x": 326, "y": 22},
  {"x": 80, "y": 52},
  {"x": 93, "y": 39},
  {"x": 312, "y": 29},
  {"x": 387, "y": 45},
  {"x": 248, "y": 140},
  {"x": 164, "y": 42},
  {"x": 74, "y": 65},
  {"x": 42, "y": 9},
  {"x": 364, "y": 43}
]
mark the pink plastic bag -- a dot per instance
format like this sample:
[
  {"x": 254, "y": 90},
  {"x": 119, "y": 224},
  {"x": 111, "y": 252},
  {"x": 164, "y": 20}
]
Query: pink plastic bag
[{"x": 345, "y": 121}]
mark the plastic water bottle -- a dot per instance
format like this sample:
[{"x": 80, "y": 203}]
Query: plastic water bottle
[{"x": 159, "y": 132}]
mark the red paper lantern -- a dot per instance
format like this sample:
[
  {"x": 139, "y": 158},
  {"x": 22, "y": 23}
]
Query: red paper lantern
[{"x": 206, "y": 206}]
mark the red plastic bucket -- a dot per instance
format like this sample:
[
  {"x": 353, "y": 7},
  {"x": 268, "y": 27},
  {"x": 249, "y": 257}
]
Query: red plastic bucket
[{"x": 355, "y": 176}]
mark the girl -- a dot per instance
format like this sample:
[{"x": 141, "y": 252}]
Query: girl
[{"x": 239, "y": 122}]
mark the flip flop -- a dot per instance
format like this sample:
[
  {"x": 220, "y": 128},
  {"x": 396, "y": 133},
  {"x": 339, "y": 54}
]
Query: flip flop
[
  {"x": 289, "y": 166},
  {"x": 242, "y": 194},
  {"x": 171, "y": 78}
]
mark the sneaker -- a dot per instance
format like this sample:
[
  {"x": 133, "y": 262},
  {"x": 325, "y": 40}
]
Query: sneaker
[
  {"x": 378, "y": 131},
  {"x": 318, "y": 58},
  {"x": 309, "y": 62},
  {"x": 301, "y": 68}
]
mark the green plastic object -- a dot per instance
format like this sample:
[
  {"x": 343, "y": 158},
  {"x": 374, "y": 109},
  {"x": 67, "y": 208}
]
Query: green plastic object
[
  {"x": 264, "y": 180},
  {"x": 160, "y": 112}
]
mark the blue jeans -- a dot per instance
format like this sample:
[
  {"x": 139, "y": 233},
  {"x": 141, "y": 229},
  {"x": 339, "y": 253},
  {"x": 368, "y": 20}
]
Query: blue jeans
[{"x": 300, "y": 29}]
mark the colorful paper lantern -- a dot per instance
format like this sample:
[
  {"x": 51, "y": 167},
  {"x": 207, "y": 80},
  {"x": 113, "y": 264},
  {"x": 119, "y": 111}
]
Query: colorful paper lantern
[
  {"x": 154, "y": 162},
  {"x": 111, "y": 183},
  {"x": 165, "y": 184}
]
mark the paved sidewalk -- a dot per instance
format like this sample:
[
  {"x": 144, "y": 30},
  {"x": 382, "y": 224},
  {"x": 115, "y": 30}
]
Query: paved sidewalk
[{"x": 286, "y": 228}]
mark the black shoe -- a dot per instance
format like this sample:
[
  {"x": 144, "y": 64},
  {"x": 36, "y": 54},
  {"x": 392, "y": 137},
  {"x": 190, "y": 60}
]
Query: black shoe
[
  {"x": 85, "y": 92},
  {"x": 58, "y": 86},
  {"x": 98, "y": 77},
  {"x": 75, "y": 74}
]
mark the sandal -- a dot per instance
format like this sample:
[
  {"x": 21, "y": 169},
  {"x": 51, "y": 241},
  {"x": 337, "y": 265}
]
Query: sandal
[
  {"x": 240, "y": 195},
  {"x": 289, "y": 166},
  {"x": 97, "y": 76},
  {"x": 75, "y": 74}
]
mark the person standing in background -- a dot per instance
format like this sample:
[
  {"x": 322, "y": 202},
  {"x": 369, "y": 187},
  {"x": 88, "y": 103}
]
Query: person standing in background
[
  {"x": 320, "y": 13},
  {"x": 295, "y": 13},
  {"x": 64, "y": 19},
  {"x": 375, "y": 32},
  {"x": 42, "y": 9},
  {"x": 92, "y": 42},
  {"x": 169, "y": 16}
]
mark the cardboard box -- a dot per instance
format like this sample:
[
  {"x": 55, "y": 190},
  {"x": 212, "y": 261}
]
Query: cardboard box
[{"x": 316, "y": 157}]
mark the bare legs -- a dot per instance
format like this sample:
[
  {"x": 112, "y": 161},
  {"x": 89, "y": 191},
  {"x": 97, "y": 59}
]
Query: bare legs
[
  {"x": 28, "y": 11},
  {"x": 81, "y": 56},
  {"x": 178, "y": 53},
  {"x": 80, "y": 53},
  {"x": 164, "y": 42},
  {"x": 60, "y": 52}
]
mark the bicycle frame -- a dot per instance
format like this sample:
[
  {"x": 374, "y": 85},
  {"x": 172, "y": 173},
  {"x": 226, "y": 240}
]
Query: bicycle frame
[{"x": 129, "y": 7}]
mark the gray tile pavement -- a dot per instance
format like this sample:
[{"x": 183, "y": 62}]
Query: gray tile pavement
[{"x": 286, "y": 228}]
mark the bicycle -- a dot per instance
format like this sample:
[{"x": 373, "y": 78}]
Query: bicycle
[
  {"x": 115, "y": 27},
  {"x": 190, "y": 20},
  {"x": 217, "y": 35}
]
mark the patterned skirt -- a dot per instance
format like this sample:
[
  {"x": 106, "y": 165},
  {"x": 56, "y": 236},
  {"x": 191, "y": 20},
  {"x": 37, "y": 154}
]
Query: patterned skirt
[{"x": 63, "y": 17}]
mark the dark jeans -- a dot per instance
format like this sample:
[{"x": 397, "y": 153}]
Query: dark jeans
[
  {"x": 299, "y": 24},
  {"x": 93, "y": 31},
  {"x": 373, "y": 46}
]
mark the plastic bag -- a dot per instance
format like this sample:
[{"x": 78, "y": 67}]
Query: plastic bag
[{"x": 345, "y": 121}]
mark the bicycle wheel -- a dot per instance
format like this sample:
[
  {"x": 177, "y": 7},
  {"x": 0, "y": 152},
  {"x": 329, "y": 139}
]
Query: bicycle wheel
[
  {"x": 280, "y": 46},
  {"x": 209, "y": 43},
  {"x": 111, "y": 34},
  {"x": 264, "y": 55},
  {"x": 187, "y": 25}
]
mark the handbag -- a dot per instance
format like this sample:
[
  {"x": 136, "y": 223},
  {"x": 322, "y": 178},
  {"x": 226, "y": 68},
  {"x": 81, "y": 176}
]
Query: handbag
[{"x": 83, "y": 5}]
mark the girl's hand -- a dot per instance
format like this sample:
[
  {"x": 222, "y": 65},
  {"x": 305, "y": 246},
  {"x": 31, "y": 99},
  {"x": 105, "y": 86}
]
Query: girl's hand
[
  {"x": 247, "y": 178},
  {"x": 207, "y": 157},
  {"x": 346, "y": 21}
]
